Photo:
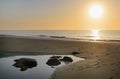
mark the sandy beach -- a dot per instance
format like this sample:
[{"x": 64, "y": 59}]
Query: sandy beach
[{"x": 102, "y": 59}]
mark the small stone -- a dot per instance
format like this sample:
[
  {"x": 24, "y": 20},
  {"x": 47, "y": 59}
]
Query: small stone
[{"x": 75, "y": 53}]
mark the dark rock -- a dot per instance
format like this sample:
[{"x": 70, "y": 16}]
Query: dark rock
[
  {"x": 75, "y": 53},
  {"x": 83, "y": 57},
  {"x": 111, "y": 77},
  {"x": 61, "y": 59},
  {"x": 53, "y": 62},
  {"x": 25, "y": 63},
  {"x": 67, "y": 59},
  {"x": 56, "y": 57}
]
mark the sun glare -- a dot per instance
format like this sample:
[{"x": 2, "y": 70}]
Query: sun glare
[
  {"x": 95, "y": 11},
  {"x": 95, "y": 34}
]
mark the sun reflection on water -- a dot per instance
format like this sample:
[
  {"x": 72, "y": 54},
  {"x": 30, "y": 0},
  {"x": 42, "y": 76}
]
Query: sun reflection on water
[{"x": 95, "y": 34}]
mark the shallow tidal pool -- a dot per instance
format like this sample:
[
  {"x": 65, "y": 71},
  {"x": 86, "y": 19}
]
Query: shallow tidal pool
[{"x": 9, "y": 69}]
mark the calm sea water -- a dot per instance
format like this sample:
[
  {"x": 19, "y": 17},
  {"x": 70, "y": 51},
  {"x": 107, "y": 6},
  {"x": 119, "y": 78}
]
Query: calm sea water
[{"x": 81, "y": 34}]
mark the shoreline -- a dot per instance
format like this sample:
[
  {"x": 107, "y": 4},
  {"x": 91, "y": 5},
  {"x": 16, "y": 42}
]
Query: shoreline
[
  {"x": 61, "y": 38},
  {"x": 26, "y": 44},
  {"x": 103, "y": 58}
]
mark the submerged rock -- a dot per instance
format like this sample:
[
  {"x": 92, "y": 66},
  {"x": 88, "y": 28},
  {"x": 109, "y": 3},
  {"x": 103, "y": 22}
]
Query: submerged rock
[
  {"x": 25, "y": 63},
  {"x": 53, "y": 62},
  {"x": 67, "y": 59},
  {"x": 56, "y": 57}
]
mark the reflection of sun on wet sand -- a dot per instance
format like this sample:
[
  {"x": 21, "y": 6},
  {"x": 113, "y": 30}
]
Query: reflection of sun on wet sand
[{"x": 103, "y": 58}]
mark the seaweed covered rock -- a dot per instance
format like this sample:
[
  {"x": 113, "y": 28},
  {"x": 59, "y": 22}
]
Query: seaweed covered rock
[
  {"x": 53, "y": 62},
  {"x": 67, "y": 59},
  {"x": 25, "y": 63}
]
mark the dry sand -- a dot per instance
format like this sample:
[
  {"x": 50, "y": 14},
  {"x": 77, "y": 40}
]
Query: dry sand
[{"x": 103, "y": 58}]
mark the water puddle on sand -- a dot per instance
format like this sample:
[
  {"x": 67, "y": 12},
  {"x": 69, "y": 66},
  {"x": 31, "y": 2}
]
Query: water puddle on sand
[{"x": 33, "y": 67}]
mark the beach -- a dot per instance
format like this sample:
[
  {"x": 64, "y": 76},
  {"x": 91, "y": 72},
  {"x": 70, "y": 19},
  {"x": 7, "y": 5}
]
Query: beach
[{"x": 102, "y": 59}]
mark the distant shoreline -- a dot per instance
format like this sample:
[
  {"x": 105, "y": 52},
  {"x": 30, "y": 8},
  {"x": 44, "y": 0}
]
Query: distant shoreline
[{"x": 63, "y": 38}]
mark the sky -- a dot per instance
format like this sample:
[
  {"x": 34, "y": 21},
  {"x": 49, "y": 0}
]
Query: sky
[{"x": 58, "y": 15}]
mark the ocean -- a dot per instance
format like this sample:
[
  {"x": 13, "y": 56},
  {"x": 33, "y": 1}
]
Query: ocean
[{"x": 111, "y": 35}]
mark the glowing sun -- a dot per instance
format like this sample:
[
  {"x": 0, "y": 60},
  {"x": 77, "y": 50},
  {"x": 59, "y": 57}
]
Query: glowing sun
[{"x": 95, "y": 11}]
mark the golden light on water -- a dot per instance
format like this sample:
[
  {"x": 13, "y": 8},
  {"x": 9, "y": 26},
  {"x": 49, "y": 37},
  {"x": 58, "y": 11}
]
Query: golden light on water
[
  {"x": 95, "y": 11},
  {"x": 95, "y": 34}
]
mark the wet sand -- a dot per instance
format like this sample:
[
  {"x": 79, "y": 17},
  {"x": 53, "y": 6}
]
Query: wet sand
[{"x": 102, "y": 58}]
